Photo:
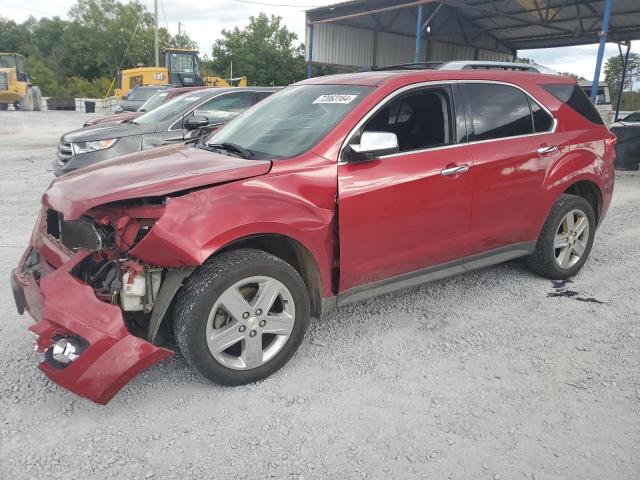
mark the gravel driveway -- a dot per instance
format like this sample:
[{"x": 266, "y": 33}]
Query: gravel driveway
[{"x": 497, "y": 374}]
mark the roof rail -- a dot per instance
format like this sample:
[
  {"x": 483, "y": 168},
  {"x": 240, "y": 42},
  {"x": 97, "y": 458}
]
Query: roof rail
[
  {"x": 469, "y": 65},
  {"x": 481, "y": 65},
  {"x": 411, "y": 66}
]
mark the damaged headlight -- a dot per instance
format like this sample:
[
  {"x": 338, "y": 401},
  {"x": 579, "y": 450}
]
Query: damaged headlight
[{"x": 86, "y": 147}]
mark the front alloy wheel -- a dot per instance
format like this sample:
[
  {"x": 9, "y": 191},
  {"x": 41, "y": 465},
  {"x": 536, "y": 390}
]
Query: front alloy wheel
[
  {"x": 250, "y": 323},
  {"x": 241, "y": 316}
]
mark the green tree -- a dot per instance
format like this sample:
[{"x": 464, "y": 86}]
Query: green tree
[
  {"x": 613, "y": 74},
  {"x": 572, "y": 75},
  {"x": 120, "y": 34},
  {"x": 263, "y": 51},
  {"x": 45, "y": 77},
  {"x": 13, "y": 37},
  {"x": 182, "y": 40}
]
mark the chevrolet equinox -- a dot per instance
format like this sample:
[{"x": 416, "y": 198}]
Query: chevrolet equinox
[{"x": 330, "y": 191}]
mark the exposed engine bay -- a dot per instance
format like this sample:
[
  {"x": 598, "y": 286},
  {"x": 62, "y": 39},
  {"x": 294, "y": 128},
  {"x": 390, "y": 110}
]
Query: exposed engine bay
[{"x": 109, "y": 233}]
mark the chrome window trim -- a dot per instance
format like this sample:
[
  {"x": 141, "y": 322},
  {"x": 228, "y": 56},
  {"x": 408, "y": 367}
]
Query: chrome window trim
[
  {"x": 413, "y": 86},
  {"x": 171, "y": 129}
]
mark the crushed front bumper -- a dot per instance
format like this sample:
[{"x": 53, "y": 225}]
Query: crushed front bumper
[{"x": 64, "y": 306}]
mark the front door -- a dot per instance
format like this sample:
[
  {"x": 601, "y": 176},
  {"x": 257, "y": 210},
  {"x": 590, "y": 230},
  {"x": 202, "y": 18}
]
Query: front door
[{"x": 410, "y": 210}]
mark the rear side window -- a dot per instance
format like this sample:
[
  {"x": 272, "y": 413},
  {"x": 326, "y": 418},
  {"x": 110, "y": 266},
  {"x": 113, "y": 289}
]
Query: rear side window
[
  {"x": 575, "y": 97},
  {"x": 542, "y": 121},
  {"x": 498, "y": 111}
]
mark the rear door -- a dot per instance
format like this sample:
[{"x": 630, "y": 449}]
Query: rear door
[
  {"x": 513, "y": 146},
  {"x": 410, "y": 210}
]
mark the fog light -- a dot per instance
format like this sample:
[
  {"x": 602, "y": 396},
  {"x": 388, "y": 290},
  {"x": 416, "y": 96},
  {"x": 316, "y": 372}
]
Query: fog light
[{"x": 64, "y": 351}]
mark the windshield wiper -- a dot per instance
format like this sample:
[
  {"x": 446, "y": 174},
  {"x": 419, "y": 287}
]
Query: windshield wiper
[{"x": 232, "y": 147}]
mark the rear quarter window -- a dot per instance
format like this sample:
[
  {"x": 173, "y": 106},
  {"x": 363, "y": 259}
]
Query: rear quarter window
[{"x": 574, "y": 96}]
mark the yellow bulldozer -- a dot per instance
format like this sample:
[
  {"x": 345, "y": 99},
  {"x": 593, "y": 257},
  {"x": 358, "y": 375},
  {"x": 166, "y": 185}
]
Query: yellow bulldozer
[
  {"x": 15, "y": 85},
  {"x": 181, "y": 67}
]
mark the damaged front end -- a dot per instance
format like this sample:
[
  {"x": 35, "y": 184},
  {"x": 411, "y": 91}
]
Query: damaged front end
[{"x": 98, "y": 309}]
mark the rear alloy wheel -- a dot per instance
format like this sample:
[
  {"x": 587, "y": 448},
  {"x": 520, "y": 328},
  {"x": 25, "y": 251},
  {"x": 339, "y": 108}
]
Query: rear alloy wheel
[
  {"x": 241, "y": 316},
  {"x": 566, "y": 239},
  {"x": 571, "y": 239}
]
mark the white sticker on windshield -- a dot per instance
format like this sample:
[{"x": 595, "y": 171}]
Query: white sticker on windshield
[
  {"x": 191, "y": 99},
  {"x": 335, "y": 99}
]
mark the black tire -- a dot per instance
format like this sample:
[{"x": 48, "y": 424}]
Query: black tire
[
  {"x": 543, "y": 260},
  {"x": 202, "y": 290},
  {"x": 26, "y": 104},
  {"x": 37, "y": 99}
]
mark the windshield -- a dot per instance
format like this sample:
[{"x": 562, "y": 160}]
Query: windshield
[
  {"x": 292, "y": 121},
  {"x": 7, "y": 61},
  {"x": 141, "y": 94},
  {"x": 155, "y": 100},
  {"x": 167, "y": 110},
  {"x": 182, "y": 62}
]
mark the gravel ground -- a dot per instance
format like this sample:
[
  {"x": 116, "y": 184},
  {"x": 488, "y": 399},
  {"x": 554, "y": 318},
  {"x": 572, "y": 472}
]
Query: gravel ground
[{"x": 494, "y": 375}]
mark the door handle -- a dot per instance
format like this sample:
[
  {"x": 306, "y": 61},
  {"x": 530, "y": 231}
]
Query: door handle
[
  {"x": 454, "y": 170},
  {"x": 548, "y": 149}
]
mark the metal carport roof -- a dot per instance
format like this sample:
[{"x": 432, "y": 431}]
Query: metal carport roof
[
  {"x": 516, "y": 24},
  {"x": 468, "y": 29}
]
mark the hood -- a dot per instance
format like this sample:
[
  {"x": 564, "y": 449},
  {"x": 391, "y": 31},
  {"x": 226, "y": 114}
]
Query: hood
[
  {"x": 149, "y": 173},
  {"x": 118, "y": 117},
  {"x": 107, "y": 130}
]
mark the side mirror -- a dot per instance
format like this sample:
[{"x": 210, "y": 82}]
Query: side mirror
[
  {"x": 372, "y": 145},
  {"x": 195, "y": 122}
]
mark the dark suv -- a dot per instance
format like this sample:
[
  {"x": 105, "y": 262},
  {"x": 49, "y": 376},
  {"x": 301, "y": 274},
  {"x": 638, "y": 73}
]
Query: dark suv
[{"x": 332, "y": 190}]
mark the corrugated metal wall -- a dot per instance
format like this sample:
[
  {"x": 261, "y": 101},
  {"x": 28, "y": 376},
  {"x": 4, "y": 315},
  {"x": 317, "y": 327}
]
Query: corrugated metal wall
[
  {"x": 363, "y": 44},
  {"x": 392, "y": 49},
  {"x": 341, "y": 45}
]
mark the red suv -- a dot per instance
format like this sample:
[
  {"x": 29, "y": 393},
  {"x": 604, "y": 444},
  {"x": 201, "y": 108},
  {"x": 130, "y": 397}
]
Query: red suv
[{"x": 332, "y": 190}]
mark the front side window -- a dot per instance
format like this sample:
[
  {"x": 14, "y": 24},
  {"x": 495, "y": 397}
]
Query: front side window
[
  {"x": 420, "y": 120},
  {"x": 291, "y": 121},
  {"x": 498, "y": 111}
]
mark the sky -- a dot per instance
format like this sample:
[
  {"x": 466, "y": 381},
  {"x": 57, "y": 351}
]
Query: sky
[{"x": 203, "y": 21}]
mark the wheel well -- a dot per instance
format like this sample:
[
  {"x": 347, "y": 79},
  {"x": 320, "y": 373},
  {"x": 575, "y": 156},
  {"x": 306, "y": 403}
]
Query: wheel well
[
  {"x": 296, "y": 255},
  {"x": 591, "y": 193}
]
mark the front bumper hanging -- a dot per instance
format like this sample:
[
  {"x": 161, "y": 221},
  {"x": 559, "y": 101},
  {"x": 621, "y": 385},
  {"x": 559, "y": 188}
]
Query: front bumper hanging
[{"x": 66, "y": 307}]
